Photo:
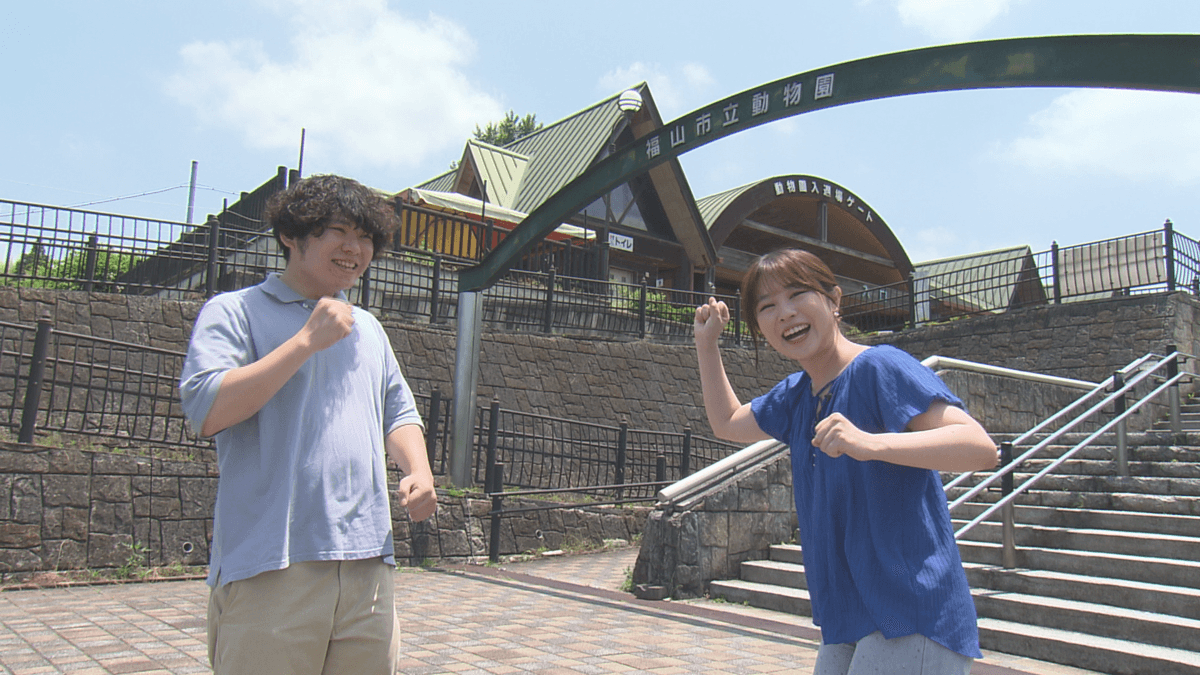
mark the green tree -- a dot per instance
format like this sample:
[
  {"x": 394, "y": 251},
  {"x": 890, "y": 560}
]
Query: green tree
[
  {"x": 37, "y": 269},
  {"x": 508, "y": 130}
]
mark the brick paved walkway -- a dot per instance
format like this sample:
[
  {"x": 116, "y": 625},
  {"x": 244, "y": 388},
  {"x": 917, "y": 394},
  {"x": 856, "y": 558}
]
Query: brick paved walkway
[{"x": 555, "y": 615}]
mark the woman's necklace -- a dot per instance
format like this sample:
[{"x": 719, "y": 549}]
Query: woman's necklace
[{"x": 822, "y": 397}]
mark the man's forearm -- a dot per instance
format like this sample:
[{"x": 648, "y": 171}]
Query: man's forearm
[{"x": 245, "y": 390}]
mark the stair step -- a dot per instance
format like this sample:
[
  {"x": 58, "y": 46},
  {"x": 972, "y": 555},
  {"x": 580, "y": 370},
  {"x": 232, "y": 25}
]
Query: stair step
[
  {"x": 1081, "y": 650},
  {"x": 1166, "y": 546},
  {"x": 1135, "y": 595},
  {"x": 1055, "y": 645},
  {"x": 1098, "y": 519},
  {"x": 774, "y": 572},
  {"x": 1148, "y": 628},
  {"x": 766, "y": 596},
  {"x": 1182, "y": 573}
]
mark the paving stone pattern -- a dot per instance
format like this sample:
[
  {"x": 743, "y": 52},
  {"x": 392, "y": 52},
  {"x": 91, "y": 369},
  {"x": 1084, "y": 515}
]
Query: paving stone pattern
[{"x": 553, "y": 615}]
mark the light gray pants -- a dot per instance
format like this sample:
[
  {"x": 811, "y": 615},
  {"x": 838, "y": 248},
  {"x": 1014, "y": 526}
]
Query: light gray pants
[{"x": 876, "y": 655}]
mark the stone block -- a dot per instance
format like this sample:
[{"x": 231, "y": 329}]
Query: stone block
[
  {"x": 110, "y": 518},
  {"x": 183, "y": 541},
  {"x": 113, "y": 489},
  {"x": 64, "y": 490},
  {"x": 108, "y": 550},
  {"x": 20, "y": 560},
  {"x": 17, "y": 535},
  {"x": 197, "y": 497},
  {"x": 105, "y": 463},
  {"x": 713, "y": 529},
  {"x": 26, "y": 498},
  {"x": 62, "y": 460},
  {"x": 754, "y": 498},
  {"x": 64, "y": 554},
  {"x": 23, "y": 461}
]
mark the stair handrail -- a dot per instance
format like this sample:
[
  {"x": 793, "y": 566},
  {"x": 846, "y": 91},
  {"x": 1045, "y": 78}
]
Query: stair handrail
[
  {"x": 681, "y": 492},
  {"x": 937, "y": 363},
  {"x": 1143, "y": 372}
]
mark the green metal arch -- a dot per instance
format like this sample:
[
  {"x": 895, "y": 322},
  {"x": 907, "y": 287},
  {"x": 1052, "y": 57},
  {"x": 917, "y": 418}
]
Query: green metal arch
[{"x": 1153, "y": 62}]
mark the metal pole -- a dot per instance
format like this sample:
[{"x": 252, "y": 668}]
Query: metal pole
[
  {"x": 548, "y": 307},
  {"x": 737, "y": 318},
  {"x": 37, "y": 373},
  {"x": 192, "y": 192},
  {"x": 1169, "y": 236},
  {"x": 435, "y": 291},
  {"x": 497, "y": 480},
  {"x": 300, "y": 162},
  {"x": 642, "y": 306},
  {"x": 1054, "y": 272},
  {"x": 622, "y": 444},
  {"x": 686, "y": 460},
  {"x": 89, "y": 265},
  {"x": 912, "y": 301},
  {"x": 1008, "y": 511},
  {"x": 364, "y": 289},
  {"x": 210, "y": 275},
  {"x": 466, "y": 380},
  {"x": 1173, "y": 392},
  {"x": 493, "y": 421},
  {"x": 1122, "y": 441},
  {"x": 434, "y": 417}
]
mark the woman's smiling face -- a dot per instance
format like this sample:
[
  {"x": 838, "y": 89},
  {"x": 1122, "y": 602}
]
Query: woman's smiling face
[{"x": 797, "y": 321}]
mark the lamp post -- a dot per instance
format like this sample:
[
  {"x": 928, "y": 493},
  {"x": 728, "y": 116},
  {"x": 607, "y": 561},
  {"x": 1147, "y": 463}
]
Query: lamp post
[{"x": 629, "y": 103}]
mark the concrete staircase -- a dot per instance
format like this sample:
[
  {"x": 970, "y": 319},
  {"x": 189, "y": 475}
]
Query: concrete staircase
[{"x": 1108, "y": 575}]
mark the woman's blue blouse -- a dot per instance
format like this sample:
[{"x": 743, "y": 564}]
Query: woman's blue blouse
[{"x": 879, "y": 550}]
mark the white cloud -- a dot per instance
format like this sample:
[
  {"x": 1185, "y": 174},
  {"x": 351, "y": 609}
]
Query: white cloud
[
  {"x": 950, "y": 20},
  {"x": 1132, "y": 135},
  {"x": 674, "y": 93},
  {"x": 368, "y": 84},
  {"x": 931, "y": 243}
]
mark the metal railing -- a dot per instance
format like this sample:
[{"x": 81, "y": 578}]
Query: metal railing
[
  {"x": 1162, "y": 373},
  {"x": 1155, "y": 261},
  {"x": 124, "y": 394},
  {"x": 549, "y": 453},
  {"x": 554, "y": 288}
]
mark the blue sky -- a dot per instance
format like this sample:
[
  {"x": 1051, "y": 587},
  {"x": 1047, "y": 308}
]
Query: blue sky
[{"x": 113, "y": 99}]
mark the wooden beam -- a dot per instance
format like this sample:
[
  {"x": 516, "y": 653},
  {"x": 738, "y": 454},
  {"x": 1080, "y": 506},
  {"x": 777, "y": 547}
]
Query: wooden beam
[{"x": 810, "y": 241}]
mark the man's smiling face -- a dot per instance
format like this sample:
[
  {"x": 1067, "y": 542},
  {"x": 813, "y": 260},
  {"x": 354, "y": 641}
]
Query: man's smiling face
[{"x": 325, "y": 264}]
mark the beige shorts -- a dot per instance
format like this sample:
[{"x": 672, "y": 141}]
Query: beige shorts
[{"x": 312, "y": 617}]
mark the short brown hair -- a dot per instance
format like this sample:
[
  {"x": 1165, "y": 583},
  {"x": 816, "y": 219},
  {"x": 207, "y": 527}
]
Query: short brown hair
[
  {"x": 309, "y": 206},
  {"x": 791, "y": 267}
]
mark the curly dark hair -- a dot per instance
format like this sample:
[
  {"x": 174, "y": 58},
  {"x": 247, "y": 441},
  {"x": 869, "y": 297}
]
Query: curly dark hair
[{"x": 309, "y": 206}]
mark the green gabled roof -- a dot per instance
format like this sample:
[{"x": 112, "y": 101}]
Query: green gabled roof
[
  {"x": 712, "y": 206},
  {"x": 443, "y": 183},
  {"x": 983, "y": 281},
  {"x": 501, "y": 169},
  {"x": 556, "y": 154}
]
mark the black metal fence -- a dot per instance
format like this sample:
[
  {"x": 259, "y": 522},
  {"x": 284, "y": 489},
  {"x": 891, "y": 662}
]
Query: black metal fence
[
  {"x": 545, "y": 452},
  {"x": 118, "y": 394},
  {"x": 80, "y": 386},
  {"x": 1149, "y": 262},
  {"x": 554, "y": 289}
]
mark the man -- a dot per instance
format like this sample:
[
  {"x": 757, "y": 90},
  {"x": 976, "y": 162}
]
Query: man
[{"x": 304, "y": 395}]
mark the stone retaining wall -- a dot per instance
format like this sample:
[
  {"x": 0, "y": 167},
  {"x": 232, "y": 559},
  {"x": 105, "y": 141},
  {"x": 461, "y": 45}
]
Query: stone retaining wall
[
  {"x": 60, "y": 507},
  {"x": 66, "y": 509}
]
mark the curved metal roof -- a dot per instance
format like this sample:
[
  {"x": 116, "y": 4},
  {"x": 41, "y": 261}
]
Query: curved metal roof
[{"x": 790, "y": 210}]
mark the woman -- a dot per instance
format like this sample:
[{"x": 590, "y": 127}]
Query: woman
[{"x": 869, "y": 428}]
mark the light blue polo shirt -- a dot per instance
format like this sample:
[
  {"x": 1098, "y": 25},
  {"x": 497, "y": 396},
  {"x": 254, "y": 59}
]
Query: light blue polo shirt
[{"x": 305, "y": 478}]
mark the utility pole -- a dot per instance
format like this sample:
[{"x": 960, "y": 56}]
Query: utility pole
[
  {"x": 300, "y": 164},
  {"x": 192, "y": 192}
]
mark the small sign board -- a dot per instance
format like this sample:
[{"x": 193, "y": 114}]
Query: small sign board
[{"x": 620, "y": 242}]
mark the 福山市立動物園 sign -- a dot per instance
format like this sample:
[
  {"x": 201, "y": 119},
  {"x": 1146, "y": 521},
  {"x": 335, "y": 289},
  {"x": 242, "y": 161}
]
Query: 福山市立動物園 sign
[{"x": 1154, "y": 62}]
